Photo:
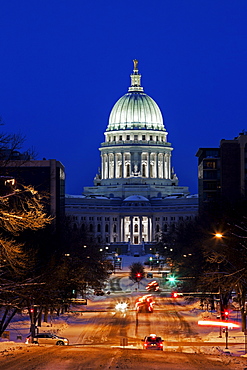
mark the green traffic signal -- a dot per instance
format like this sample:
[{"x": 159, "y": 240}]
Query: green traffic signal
[{"x": 171, "y": 279}]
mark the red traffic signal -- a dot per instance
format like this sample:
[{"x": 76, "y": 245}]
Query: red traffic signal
[
  {"x": 174, "y": 294},
  {"x": 225, "y": 315},
  {"x": 226, "y": 312},
  {"x": 138, "y": 275}
]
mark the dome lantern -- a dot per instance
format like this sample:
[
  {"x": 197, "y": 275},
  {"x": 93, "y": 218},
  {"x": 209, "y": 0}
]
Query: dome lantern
[
  {"x": 135, "y": 79},
  {"x": 135, "y": 110}
]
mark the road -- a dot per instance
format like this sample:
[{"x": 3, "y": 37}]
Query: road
[{"x": 96, "y": 337}]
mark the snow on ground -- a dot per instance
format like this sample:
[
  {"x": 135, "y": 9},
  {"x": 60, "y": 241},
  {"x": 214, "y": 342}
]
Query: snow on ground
[{"x": 69, "y": 324}]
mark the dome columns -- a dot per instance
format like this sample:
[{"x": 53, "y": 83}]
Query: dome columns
[{"x": 126, "y": 164}]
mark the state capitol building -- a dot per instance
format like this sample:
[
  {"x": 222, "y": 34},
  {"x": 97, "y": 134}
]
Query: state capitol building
[{"x": 136, "y": 195}]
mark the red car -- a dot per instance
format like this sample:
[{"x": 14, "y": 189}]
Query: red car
[{"x": 153, "y": 342}]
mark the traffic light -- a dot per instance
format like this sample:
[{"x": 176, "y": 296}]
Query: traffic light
[
  {"x": 174, "y": 294},
  {"x": 171, "y": 279},
  {"x": 225, "y": 314},
  {"x": 138, "y": 275}
]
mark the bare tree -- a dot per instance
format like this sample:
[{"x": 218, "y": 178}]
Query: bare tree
[{"x": 20, "y": 209}]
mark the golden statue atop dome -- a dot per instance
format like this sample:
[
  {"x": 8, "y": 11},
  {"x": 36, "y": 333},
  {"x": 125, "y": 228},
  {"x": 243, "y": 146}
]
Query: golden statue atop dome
[{"x": 135, "y": 61}]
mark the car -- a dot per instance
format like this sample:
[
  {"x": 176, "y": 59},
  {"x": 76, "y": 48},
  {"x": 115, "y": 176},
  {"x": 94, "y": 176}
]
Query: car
[
  {"x": 47, "y": 338},
  {"x": 153, "y": 342},
  {"x": 144, "y": 304},
  {"x": 153, "y": 286}
]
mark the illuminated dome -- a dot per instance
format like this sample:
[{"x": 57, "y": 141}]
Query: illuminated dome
[{"x": 135, "y": 110}]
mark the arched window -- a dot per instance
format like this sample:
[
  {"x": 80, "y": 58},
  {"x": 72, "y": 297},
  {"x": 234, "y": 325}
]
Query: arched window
[
  {"x": 165, "y": 228},
  {"x": 91, "y": 228},
  {"x": 98, "y": 228},
  {"x": 83, "y": 227},
  {"x": 114, "y": 228},
  {"x": 136, "y": 228},
  {"x": 106, "y": 228},
  {"x": 157, "y": 228}
]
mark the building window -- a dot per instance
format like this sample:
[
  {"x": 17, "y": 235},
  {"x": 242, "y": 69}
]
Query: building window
[
  {"x": 98, "y": 228},
  {"x": 157, "y": 228},
  {"x": 180, "y": 218},
  {"x": 209, "y": 164},
  {"x": 114, "y": 239},
  {"x": 136, "y": 240},
  {"x": 107, "y": 239},
  {"x": 135, "y": 137},
  {"x": 120, "y": 137},
  {"x": 107, "y": 218},
  {"x": 151, "y": 137},
  {"x": 91, "y": 228},
  {"x": 136, "y": 228},
  {"x": 164, "y": 218},
  {"x": 165, "y": 228},
  {"x": 106, "y": 228},
  {"x": 143, "y": 137},
  {"x": 114, "y": 228},
  {"x": 98, "y": 218},
  {"x": 173, "y": 218},
  {"x": 127, "y": 137}
]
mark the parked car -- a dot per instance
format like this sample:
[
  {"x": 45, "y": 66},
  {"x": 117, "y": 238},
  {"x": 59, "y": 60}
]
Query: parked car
[
  {"x": 153, "y": 342},
  {"x": 47, "y": 338}
]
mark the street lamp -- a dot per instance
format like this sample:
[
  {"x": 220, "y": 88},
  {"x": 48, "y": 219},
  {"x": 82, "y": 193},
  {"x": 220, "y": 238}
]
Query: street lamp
[{"x": 218, "y": 235}]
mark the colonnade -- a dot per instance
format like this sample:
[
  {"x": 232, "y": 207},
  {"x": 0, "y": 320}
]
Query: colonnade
[{"x": 149, "y": 165}]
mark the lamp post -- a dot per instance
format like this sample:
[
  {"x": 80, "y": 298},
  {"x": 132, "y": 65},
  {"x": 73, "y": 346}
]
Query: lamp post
[{"x": 219, "y": 236}]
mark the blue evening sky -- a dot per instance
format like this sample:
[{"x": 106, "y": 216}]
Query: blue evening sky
[{"x": 64, "y": 64}]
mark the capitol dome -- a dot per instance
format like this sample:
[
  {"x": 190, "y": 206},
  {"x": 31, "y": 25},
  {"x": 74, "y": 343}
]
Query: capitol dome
[{"x": 135, "y": 110}]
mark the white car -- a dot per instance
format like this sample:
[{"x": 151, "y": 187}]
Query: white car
[{"x": 47, "y": 338}]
